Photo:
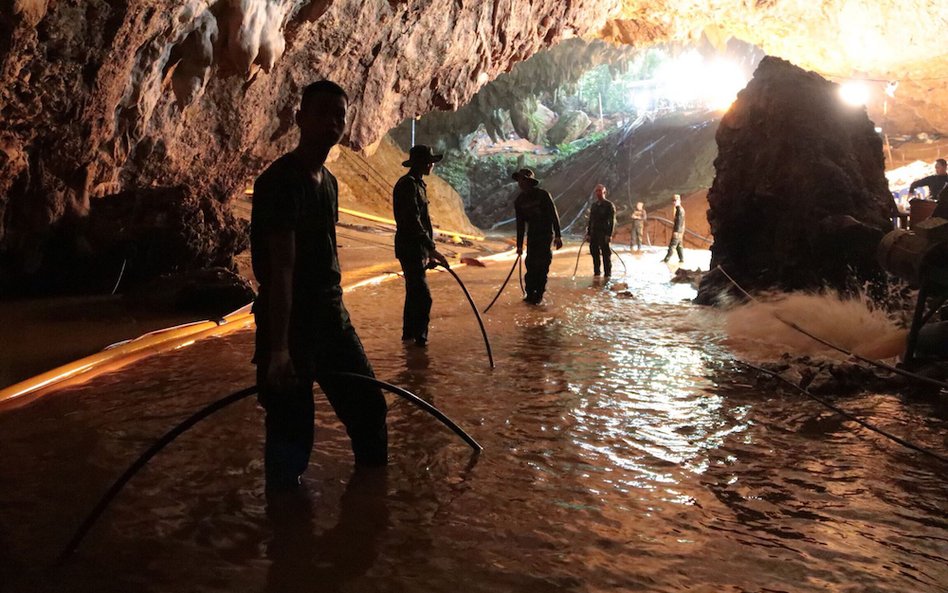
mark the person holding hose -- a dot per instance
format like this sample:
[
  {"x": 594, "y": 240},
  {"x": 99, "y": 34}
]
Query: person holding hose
[
  {"x": 304, "y": 333},
  {"x": 602, "y": 222},
  {"x": 538, "y": 219},
  {"x": 414, "y": 242}
]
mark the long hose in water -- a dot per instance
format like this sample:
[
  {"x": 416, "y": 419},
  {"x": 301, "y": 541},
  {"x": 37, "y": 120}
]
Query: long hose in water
[
  {"x": 625, "y": 269},
  {"x": 480, "y": 322},
  {"x": 504, "y": 285},
  {"x": 220, "y": 404},
  {"x": 523, "y": 291},
  {"x": 578, "y": 253}
]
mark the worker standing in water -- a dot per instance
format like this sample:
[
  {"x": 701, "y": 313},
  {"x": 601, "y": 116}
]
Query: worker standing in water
[
  {"x": 303, "y": 328},
  {"x": 414, "y": 242},
  {"x": 602, "y": 222},
  {"x": 538, "y": 219},
  {"x": 678, "y": 232},
  {"x": 639, "y": 216}
]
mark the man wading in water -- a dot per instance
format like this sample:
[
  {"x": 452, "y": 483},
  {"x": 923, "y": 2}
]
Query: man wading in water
[
  {"x": 414, "y": 242},
  {"x": 536, "y": 214},
  {"x": 303, "y": 328},
  {"x": 602, "y": 222}
]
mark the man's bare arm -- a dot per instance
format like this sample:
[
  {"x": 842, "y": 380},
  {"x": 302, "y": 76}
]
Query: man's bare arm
[{"x": 282, "y": 259}]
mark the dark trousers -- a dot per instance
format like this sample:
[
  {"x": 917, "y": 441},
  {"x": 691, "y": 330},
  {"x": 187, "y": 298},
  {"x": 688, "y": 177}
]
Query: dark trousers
[
  {"x": 538, "y": 266},
  {"x": 675, "y": 245},
  {"x": 599, "y": 248},
  {"x": 290, "y": 413},
  {"x": 417, "y": 311}
]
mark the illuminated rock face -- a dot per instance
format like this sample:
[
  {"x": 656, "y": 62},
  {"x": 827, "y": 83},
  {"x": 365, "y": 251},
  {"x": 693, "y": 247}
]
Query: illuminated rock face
[
  {"x": 799, "y": 199},
  {"x": 97, "y": 96}
]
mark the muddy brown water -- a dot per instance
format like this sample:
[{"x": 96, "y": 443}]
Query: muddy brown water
[{"x": 624, "y": 451}]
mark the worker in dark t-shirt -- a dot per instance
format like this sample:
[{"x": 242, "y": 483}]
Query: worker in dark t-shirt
[
  {"x": 538, "y": 219},
  {"x": 303, "y": 328},
  {"x": 935, "y": 183},
  {"x": 602, "y": 222},
  {"x": 414, "y": 241}
]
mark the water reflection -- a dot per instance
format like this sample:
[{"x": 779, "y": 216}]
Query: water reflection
[
  {"x": 338, "y": 556},
  {"x": 623, "y": 451}
]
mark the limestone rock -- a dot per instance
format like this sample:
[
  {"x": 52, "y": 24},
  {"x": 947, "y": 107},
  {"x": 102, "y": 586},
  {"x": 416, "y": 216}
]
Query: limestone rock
[
  {"x": 570, "y": 126},
  {"x": 214, "y": 292},
  {"x": 532, "y": 120},
  {"x": 799, "y": 199}
]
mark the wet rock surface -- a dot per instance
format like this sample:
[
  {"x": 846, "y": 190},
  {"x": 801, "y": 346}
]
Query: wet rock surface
[
  {"x": 799, "y": 199},
  {"x": 130, "y": 238},
  {"x": 214, "y": 292}
]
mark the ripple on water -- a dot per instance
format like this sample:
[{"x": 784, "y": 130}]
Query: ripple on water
[{"x": 622, "y": 453}]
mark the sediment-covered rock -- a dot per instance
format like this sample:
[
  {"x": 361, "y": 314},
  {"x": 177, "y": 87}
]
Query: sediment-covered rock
[
  {"x": 799, "y": 199},
  {"x": 570, "y": 126},
  {"x": 532, "y": 119}
]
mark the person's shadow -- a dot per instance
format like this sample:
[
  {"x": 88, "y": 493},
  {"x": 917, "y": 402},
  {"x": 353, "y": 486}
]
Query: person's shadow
[{"x": 301, "y": 560}]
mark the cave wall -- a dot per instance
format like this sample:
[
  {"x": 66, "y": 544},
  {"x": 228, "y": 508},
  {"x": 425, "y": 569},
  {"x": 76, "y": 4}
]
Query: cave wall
[{"x": 97, "y": 97}]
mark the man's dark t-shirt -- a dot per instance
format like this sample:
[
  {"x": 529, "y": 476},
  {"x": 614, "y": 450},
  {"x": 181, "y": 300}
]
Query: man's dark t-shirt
[
  {"x": 287, "y": 198},
  {"x": 414, "y": 233},
  {"x": 934, "y": 183},
  {"x": 537, "y": 217},
  {"x": 602, "y": 219}
]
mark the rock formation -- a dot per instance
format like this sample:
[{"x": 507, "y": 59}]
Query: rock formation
[
  {"x": 570, "y": 126},
  {"x": 99, "y": 97},
  {"x": 799, "y": 199}
]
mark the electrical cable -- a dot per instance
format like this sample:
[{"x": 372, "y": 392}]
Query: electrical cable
[
  {"x": 220, "y": 404},
  {"x": 828, "y": 344},
  {"x": 504, "y": 285},
  {"x": 578, "y": 253},
  {"x": 848, "y": 415},
  {"x": 480, "y": 322}
]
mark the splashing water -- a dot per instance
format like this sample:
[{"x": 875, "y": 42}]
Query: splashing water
[{"x": 755, "y": 331}]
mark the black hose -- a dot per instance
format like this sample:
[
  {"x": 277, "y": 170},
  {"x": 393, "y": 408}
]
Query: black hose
[
  {"x": 220, "y": 404},
  {"x": 618, "y": 257},
  {"x": 578, "y": 253},
  {"x": 504, "y": 285},
  {"x": 523, "y": 291},
  {"x": 480, "y": 322}
]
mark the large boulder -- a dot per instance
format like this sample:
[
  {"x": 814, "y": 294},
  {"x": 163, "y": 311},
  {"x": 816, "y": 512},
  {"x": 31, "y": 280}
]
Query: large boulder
[
  {"x": 532, "y": 119},
  {"x": 799, "y": 199},
  {"x": 570, "y": 126}
]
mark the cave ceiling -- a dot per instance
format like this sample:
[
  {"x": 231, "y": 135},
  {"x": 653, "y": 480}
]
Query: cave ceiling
[{"x": 98, "y": 96}]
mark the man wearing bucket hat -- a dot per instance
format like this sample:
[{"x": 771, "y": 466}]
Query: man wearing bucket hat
[
  {"x": 414, "y": 241},
  {"x": 538, "y": 219}
]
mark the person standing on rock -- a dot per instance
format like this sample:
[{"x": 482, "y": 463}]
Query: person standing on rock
[
  {"x": 935, "y": 183},
  {"x": 639, "y": 216},
  {"x": 538, "y": 219},
  {"x": 602, "y": 222},
  {"x": 414, "y": 242},
  {"x": 303, "y": 328},
  {"x": 678, "y": 232}
]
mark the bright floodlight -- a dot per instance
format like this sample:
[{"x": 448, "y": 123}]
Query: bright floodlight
[
  {"x": 854, "y": 92},
  {"x": 722, "y": 80}
]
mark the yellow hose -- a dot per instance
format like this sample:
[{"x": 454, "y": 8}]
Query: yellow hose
[{"x": 149, "y": 344}]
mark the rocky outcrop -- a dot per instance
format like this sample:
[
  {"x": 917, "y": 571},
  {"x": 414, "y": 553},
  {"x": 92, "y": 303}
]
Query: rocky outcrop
[
  {"x": 101, "y": 97},
  {"x": 799, "y": 198},
  {"x": 570, "y": 126},
  {"x": 532, "y": 120}
]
